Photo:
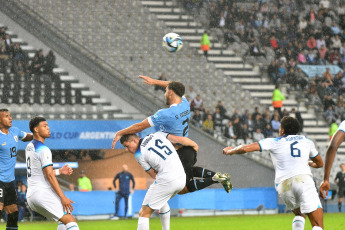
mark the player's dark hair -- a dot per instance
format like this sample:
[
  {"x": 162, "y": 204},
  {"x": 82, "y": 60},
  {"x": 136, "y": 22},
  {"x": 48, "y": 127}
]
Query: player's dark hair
[
  {"x": 177, "y": 87},
  {"x": 127, "y": 137},
  {"x": 3, "y": 110},
  {"x": 34, "y": 122},
  {"x": 290, "y": 125}
]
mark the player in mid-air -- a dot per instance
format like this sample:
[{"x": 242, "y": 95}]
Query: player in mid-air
[
  {"x": 158, "y": 157},
  {"x": 9, "y": 137},
  {"x": 44, "y": 193},
  {"x": 336, "y": 140},
  {"x": 291, "y": 155},
  {"x": 174, "y": 120}
]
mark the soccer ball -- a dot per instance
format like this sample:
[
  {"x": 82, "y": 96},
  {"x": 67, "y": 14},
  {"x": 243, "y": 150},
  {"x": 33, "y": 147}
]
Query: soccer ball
[{"x": 172, "y": 42}]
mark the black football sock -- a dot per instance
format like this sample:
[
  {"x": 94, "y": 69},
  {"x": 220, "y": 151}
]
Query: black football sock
[
  {"x": 339, "y": 206},
  {"x": 202, "y": 172},
  {"x": 198, "y": 184}
]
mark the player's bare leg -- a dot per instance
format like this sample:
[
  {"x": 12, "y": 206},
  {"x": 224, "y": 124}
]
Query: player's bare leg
[
  {"x": 299, "y": 221},
  {"x": 144, "y": 217},
  {"x": 12, "y": 216},
  {"x": 316, "y": 218},
  {"x": 69, "y": 221}
]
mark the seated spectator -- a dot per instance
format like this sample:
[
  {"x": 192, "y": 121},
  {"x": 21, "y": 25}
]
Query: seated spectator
[
  {"x": 301, "y": 58},
  {"x": 311, "y": 58},
  {"x": 257, "y": 136},
  {"x": 274, "y": 43},
  {"x": 275, "y": 125},
  {"x": 339, "y": 110},
  {"x": 235, "y": 115},
  {"x": 311, "y": 43},
  {"x": 238, "y": 130},
  {"x": 322, "y": 55},
  {"x": 222, "y": 110},
  {"x": 217, "y": 120},
  {"x": 283, "y": 43},
  {"x": 281, "y": 72},
  {"x": 335, "y": 57},
  {"x": 161, "y": 78},
  {"x": 268, "y": 131},
  {"x": 19, "y": 69},
  {"x": 272, "y": 71},
  {"x": 335, "y": 28},
  {"x": 328, "y": 102},
  {"x": 336, "y": 42},
  {"x": 197, "y": 118},
  {"x": 320, "y": 42},
  {"x": 50, "y": 63},
  {"x": 301, "y": 79},
  {"x": 229, "y": 131},
  {"x": 330, "y": 115},
  {"x": 302, "y": 24},
  {"x": 324, "y": 3},
  {"x": 207, "y": 125},
  {"x": 196, "y": 103},
  {"x": 255, "y": 50},
  {"x": 228, "y": 37},
  {"x": 8, "y": 44}
]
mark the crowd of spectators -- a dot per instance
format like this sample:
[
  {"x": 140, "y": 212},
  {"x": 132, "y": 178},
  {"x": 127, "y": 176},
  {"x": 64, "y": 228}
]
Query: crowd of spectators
[
  {"x": 290, "y": 33},
  {"x": 14, "y": 60},
  {"x": 251, "y": 125}
]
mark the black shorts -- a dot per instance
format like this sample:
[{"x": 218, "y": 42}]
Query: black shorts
[
  {"x": 8, "y": 193},
  {"x": 188, "y": 158},
  {"x": 341, "y": 192}
]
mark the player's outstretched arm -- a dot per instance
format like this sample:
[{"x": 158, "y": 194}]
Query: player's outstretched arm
[
  {"x": 316, "y": 162},
  {"x": 337, "y": 139},
  {"x": 241, "y": 149},
  {"x": 150, "y": 81},
  {"x": 50, "y": 175},
  {"x": 133, "y": 129},
  {"x": 183, "y": 141}
]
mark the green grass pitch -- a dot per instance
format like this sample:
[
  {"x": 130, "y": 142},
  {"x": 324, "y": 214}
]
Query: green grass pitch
[{"x": 267, "y": 222}]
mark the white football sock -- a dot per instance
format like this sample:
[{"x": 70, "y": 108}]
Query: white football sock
[
  {"x": 72, "y": 226},
  {"x": 298, "y": 223},
  {"x": 164, "y": 214},
  {"x": 316, "y": 228},
  {"x": 143, "y": 223},
  {"x": 61, "y": 226}
]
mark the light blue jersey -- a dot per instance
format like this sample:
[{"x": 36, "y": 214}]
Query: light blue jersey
[
  {"x": 173, "y": 120},
  {"x": 8, "y": 153}
]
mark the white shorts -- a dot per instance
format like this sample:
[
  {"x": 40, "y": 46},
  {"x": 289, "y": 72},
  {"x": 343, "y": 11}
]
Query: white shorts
[
  {"x": 299, "y": 192},
  {"x": 159, "y": 194},
  {"x": 47, "y": 203}
]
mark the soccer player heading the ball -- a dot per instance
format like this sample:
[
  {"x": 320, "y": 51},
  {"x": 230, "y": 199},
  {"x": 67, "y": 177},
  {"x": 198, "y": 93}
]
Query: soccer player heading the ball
[
  {"x": 44, "y": 193},
  {"x": 8, "y": 154},
  {"x": 174, "y": 120},
  {"x": 291, "y": 154}
]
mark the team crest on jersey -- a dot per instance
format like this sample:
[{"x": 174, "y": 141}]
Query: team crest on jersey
[
  {"x": 156, "y": 116},
  {"x": 15, "y": 138}
]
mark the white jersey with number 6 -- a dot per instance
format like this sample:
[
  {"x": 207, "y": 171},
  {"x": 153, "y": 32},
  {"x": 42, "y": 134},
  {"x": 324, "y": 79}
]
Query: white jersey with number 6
[
  {"x": 290, "y": 155},
  {"x": 156, "y": 151}
]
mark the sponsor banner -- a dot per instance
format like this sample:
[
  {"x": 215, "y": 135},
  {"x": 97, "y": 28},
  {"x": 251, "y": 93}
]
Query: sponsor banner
[
  {"x": 81, "y": 134},
  {"x": 318, "y": 70}
]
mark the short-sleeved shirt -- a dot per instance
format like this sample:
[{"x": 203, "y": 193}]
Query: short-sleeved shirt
[
  {"x": 340, "y": 177},
  {"x": 290, "y": 155},
  {"x": 38, "y": 156},
  {"x": 156, "y": 151},
  {"x": 173, "y": 120},
  {"x": 342, "y": 126},
  {"x": 8, "y": 153}
]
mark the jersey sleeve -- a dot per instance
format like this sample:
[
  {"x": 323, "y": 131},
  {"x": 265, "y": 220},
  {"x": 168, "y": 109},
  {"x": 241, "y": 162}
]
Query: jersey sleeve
[
  {"x": 139, "y": 157},
  {"x": 45, "y": 156},
  {"x": 313, "y": 150},
  {"x": 267, "y": 144},
  {"x": 342, "y": 126},
  {"x": 21, "y": 134},
  {"x": 159, "y": 118}
]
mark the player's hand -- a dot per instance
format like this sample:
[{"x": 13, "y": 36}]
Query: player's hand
[
  {"x": 225, "y": 150},
  {"x": 65, "y": 170},
  {"x": 115, "y": 140},
  {"x": 324, "y": 188},
  {"x": 147, "y": 80},
  {"x": 132, "y": 191},
  {"x": 67, "y": 204},
  {"x": 196, "y": 148}
]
